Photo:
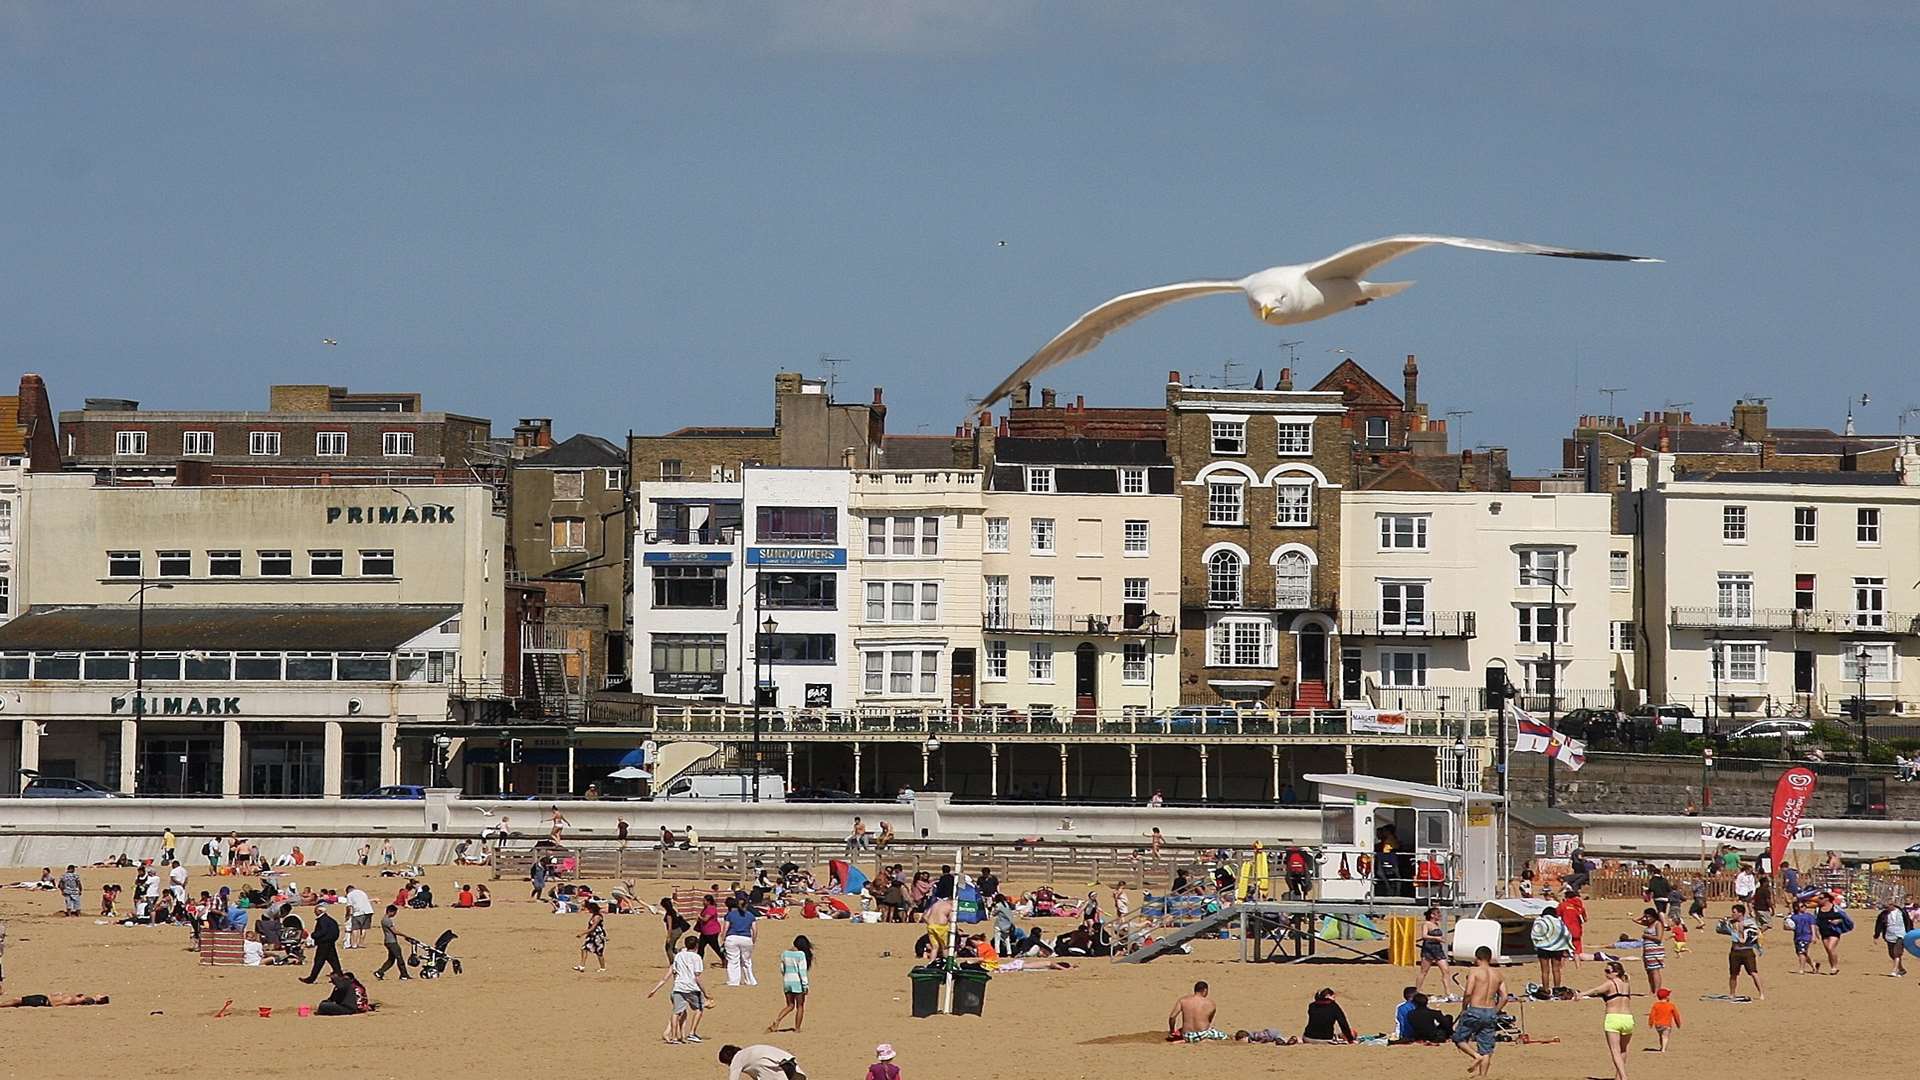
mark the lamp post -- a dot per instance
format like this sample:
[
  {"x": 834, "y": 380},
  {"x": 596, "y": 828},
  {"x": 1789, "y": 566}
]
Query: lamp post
[
  {"x": 1860, "y": 701},
  {"x": 139, "y": 663},
  {"x": 442, "y": 743},
  {"x": 763, "y": 647},
  {"x": 1718, "y": 659},
  {"x": 1151, "y": 620},
  {"x": 1552, "y": 658}
]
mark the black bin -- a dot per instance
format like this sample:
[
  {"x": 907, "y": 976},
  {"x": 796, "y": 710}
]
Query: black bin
[
  {"x": 926, "y": 991},
  {"x": 970, "y": 992}
]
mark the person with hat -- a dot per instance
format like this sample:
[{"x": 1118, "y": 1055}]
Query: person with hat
[
  {"x": 1664, "y": 1016},
  {"x": 326, "y": 944},
  {"x": 883, "y": 1067}
]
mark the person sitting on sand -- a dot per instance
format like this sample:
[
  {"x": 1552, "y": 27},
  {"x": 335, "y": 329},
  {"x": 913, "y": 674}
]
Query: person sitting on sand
[
  {"x": 349, "y": 997},
  {"x": 1193, "y": 1013},
  {"x": 464, "y": 898},
  {"x": 1426, "y": 1024},
  {"x": 47, "y": 1001},
  {"x": 1326, "y": 1020}
]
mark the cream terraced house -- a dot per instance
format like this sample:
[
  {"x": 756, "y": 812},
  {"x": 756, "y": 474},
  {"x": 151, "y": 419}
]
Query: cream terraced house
[
  {"x": 914, "y": 587},
  {"x": 1781, "y": 590},
  {"x": 1081, "y": 587}
]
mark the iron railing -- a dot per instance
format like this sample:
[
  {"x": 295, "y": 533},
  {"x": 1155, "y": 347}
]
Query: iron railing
[
  {"x": 1805, "y": 620},
  {"x": 1223, "y": 721},
  {"x": 1031, "y": 622},
  {"x": 710, "y": 535},
  {"x": 1429, "y": 624}
]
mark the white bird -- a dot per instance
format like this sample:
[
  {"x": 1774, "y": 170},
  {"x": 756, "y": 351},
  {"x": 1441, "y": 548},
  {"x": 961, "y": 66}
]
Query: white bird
[
  {"x": 1278, "y": 296},
  {"x": 484, "y": 812},
  {"x": 328, "y": 341}
]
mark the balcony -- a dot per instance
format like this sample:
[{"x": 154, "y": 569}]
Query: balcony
[
  {"x": 1806, "y": 621},
  {"x": 1027, "y": 622},
  {"x": 1425, "y": 624},
  {"x": 708, "y": 536}
]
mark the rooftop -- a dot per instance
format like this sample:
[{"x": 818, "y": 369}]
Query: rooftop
[
  {"x": 316, "y": 627},
  {"x": 579, "y": 452}
]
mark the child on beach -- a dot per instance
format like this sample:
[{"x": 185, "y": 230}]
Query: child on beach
[
  {"x": 883, "y": 1067},
  {"x": 1664, "y": 1016},
  {"x": 1803, "y": 923}
]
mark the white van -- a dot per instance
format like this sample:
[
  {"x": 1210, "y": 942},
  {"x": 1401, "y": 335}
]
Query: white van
[{"x": 737, "y": 786}]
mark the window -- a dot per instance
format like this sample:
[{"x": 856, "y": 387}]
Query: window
[
  {"x": 330, "y": 444},
  {"x": 903, "y": 535},
  {"x": 1241, "y": 643},
  {"x": 326, "y": 564},
  {"x": 613, "y": 479},
  {"x": 1741, "y": 661},
  {"x": 1292, "y": 581},
  {"x": 1735, "y": 596},
  {"x": 1133, "y": 590},
  {"x": 689, "y": 586},
  {"x": 1543, "y": 567},
  {"x": 1879, "y": 661},
  {"x": 1040, "y": 603},
  {"x": 223, "y": 563},
  {"x": 1376, "y": 432},
  {"x": 1804, "y": 592},
  {"x": 1403, "y": 532},
  {"x": 1294, "y": 437},
  {"x": 1133, "y": 481},
  {"x": 689, "y": 654},
  {"x": 877, "y": 536},
  {"x": 196, "y": 443},
  {"x": 796, "y": 648},
  {"x": 1040, "y": 662},
  {"x": 376, "y": 563},
  {"x": 1806, "y": 525},
  {"x": 929, "y": 601},
  {"x": 1040, "y": 536},
  {"x": 1866, "y": 525},
  {"x": 396, "y": 443},
  {"x": 1733, "y": 524},
  {"x": 798, "y": 590},
  {"x": 1619, "y": 571},
  {"x": 672, "y": 470},
  {"x": 276, "y": 564},
  {"x": 895, "y": 601},
  {"x": 1225, "y": 504},
  {"x": 569, "y": 484},
  {"x": 1541, "y": 624},
  {"x": 130, "y": 443},
  {"x": 1224, "y": 572},
  {"x": 1040, "y": 479},
  {"x": 1293, "y": 503},
  {"x": 124, "y": 564},
  {"x": 901, "y": 610},
  {"x": 1620, "y": 474},
  {"x": 1229, "y": 436},
  {"x": 263, "y": 443},
  {"x": 569, "y": 534},
  {"x": 1133, "y": 663},
  {"x": 996, "y": 662},
  {"x": 1537, "y": 676},
  {"x": 176, "y": 563},
  {"x": 1870, "y": 602},
  {"x": 1620, "y": 636},
  {"x": 929, "y": 536},
  {"x": 876, "y": 601},
  {"x": 997, "y": 534},
  {"x": 797, "y": 524},
  {"x": 1403, "y": 667},
  {"x": 1403, "y": 605},
  {"x": 1134, "y": 538},
  {"x": 996, "y": 604}
]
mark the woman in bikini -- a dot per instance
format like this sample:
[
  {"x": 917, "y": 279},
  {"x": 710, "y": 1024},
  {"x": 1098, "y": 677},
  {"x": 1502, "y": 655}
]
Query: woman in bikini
[
  {"x": 1617, "y": 993},
  {"x": 1433, "y": 950},
  {"x": 594, "y": 938},
  {"x": 1653, "y": 949}
]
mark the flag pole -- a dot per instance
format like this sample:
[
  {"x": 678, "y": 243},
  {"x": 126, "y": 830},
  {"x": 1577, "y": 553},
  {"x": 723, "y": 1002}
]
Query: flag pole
[{"x": 953, "y": 930}]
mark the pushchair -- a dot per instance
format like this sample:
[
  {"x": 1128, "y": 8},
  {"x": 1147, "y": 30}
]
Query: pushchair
[{"x": 433, "y": 961}]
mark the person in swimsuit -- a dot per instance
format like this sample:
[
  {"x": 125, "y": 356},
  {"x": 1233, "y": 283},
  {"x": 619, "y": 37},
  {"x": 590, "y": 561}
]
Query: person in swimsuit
[
  {"x": 557, "y": 823},
  {"x": 1653, "y": 949},
  {"x": 48, "y": 1001},
  {"x": 1479, "y": 1019},
  {"x": 1433, "y": 951},
  {"x": 1617, "y": 993},
  {"x": 594, "y": 938},
  {"x": 796, "y": 978}
]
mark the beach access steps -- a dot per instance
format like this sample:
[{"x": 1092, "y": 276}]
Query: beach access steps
[
  {"x": 1152, "y": 945},
  {"x": 1165, "y": 921}
]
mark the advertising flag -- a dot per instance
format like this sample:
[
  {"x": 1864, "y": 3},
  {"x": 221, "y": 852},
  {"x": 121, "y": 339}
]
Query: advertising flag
[{"x": 1791, "y": 796}]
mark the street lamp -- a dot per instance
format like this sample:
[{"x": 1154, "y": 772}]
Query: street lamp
[
  {"x": 763, "y": 648},
  {"x": 1860, "y": 701},
  {"x": 139, "y": 662},
  {"x": 1718, "y": 658},
  {"x": 1151, "y": 620},
  {"x": 442, "y": 747},
  {"x": 1553, "y": 658},
  {"x": 1460, "y": 759}
]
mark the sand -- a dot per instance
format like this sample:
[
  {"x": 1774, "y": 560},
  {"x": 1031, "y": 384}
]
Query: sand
[{"x": 521, "y": 1009}]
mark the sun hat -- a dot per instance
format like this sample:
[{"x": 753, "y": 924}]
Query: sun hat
[
  {"x": 884, "y": 1051},
  {"x": 1663, "y": 993}
]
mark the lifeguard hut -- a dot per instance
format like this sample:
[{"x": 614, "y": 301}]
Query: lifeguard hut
[{"x": 1394, "y": 841}]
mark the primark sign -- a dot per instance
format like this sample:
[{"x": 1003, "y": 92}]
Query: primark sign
[
  {"x": 153, "y": 705},
  {"x": 430, "y": 514}
]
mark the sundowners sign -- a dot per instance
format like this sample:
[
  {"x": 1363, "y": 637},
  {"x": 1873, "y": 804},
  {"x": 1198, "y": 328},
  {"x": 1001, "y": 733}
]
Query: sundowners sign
[
  {"x": 1791, "y": 797},
  {"x": 1745, "y": 834}
]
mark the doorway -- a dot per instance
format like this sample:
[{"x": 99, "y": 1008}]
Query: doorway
[
  {"x": 1313, "y": 653},
  {"x": 1086, "y": 677},
  {"x": 1803, "y": 671},
  {"x": 1349, "y": 674},
  {"x": 962, "y": 693}
]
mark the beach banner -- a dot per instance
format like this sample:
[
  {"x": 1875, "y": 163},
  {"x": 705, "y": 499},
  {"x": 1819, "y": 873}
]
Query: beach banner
[
  {"x": 1376, "y": 722},
  {"x": 1712, "y": 832},
  {"x": 1790, "y": 798}
]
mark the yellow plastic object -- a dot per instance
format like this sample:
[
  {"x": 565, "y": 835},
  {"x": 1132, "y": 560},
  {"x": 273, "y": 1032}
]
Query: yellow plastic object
[{"x": 1403, "y": 940}]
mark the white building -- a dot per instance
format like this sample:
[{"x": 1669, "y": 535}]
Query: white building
[
  {"x": 13, "y": 508},
  {"x": 1438, "y": 585},
  {"x": 915, "y": 569},
  {"x": 1780, "y": 590},
  {"x": 716, "y": 558}
]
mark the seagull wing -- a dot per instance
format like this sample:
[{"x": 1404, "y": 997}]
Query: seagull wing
[
  {"x": 1088, "y": 330},
  {"x": 1360, "y": 258}
]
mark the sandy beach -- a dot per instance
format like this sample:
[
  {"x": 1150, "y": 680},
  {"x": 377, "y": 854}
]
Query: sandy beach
[{"x": 521, "y": 1008}]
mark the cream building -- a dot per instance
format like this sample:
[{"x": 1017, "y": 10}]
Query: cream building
[
  {"x": 1439, "y": 585},
  {"x": 913, "y": 572},
  {"x": 1780, "y": 590},
  {"x": 268, "y": 640}
]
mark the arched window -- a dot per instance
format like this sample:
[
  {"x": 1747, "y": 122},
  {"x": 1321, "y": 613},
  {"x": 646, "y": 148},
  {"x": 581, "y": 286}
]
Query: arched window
[
  {"x": 1224, "y": 575},
  {"x": 1292, "y": 581}
]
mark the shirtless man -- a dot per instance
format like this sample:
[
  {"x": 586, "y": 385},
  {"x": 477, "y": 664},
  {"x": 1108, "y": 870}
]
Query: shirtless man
[
  {"x": 1485, "y": 992},
  {"x": 1191, "y": 1013},
  {"x": 43, "y": 1001},
  {"x": 939, "y": 922}
]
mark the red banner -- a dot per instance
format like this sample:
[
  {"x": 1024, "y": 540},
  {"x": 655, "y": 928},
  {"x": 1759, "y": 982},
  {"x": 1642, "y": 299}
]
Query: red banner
[{"x": 1790, "y": 799}]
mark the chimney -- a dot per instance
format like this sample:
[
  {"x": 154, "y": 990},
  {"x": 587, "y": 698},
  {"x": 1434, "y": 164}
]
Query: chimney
[
  {"x": 1411, "y": 375},
  {"x": 1023, "y": 395},
  {"x": 1285, "y": 381},
  {"x": 1046, "y": 397},
  {"x": 1909, "y": 462},
  {"x": 1173, "y": 378},
  {"x": 1750, "y": 420},
  {"x": 1080, "y": 403},
  {"x": 533, "y": 432},
  {"x": 876, "y": 426},
  {"x": 1466, "y": 470},
  {"x": 1666, "y": 439}
]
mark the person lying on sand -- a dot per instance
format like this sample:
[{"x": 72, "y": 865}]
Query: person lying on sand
[{"x": 46, "y": 1001}]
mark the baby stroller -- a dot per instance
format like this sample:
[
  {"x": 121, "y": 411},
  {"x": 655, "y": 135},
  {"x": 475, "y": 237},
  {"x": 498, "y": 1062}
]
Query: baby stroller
[{"x": 433, "y": 960}]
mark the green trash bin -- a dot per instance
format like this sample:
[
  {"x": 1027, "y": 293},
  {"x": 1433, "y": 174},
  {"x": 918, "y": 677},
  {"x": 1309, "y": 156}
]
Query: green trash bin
[
  {"x": 970, "y": 992},
  {"x": 926, "y": 991}
]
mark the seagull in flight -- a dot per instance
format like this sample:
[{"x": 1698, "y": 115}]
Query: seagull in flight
[
  {"x": 328, "y": 341},
  {"x": 1277, "y": 296}
]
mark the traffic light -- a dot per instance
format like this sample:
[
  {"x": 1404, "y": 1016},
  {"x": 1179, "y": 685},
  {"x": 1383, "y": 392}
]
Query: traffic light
[
  {"x": 1498, "y": 689},
  {"x": 515, "y": 748}
]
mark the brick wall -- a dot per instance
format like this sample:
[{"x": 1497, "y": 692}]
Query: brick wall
[{"x": 698, "y": 454}]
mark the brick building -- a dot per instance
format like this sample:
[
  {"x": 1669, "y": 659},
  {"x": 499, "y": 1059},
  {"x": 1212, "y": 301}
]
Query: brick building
[
  {"x": 1396, "y": 445},
  {"x": 809, "y": 430}
]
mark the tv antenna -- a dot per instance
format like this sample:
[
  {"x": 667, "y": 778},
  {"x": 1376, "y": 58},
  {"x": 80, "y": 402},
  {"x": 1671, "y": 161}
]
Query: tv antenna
[
  {"x": 1865, "y": 400},
  {"x": 1911, "y": 410},
  {"x": 1612, "y": 393},
  {"x": 1226, "y": 373},
  {"x": 1293, "y": 351},
  {"x": 1453, "y": 418},
  {"x": 832, "y": 364}
]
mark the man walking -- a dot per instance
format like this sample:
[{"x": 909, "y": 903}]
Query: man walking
[
  {"x": 359, "y": 916},
  {"x": 1551, "y": 943},
  {"x": 326, "y": 944},
  {"x": 391, "y": 938},
  {"x": 177, "y": 882},
  {"x": 1744, "y": 953},
  {"x": 1479, "y": 1021},
  {"x": 167, "y": 844}
]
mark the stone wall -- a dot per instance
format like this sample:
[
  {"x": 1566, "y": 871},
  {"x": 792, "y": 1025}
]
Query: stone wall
[{"x": 1620, "y": 785}]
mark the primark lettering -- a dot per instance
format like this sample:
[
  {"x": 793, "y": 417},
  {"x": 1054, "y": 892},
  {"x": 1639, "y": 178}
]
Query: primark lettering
[
  {"x": 177, "y": 706},
  {"x": 431, "y": 514}
]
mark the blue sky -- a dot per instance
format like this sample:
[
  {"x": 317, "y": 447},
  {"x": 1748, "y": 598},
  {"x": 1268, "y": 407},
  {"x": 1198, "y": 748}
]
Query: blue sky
[{"x": 630, "y": 215}]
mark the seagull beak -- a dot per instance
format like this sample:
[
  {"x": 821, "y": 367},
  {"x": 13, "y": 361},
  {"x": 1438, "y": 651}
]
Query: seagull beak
[{"x": 1266, "y": 310}]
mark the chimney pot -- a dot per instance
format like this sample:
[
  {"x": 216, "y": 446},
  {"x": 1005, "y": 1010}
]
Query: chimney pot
[
  {"x": 878, "y": 398},
  {"x": 1285, "y": 382},
  {"x": 1080, "y": 402},
  {"x": 1173, "y": 377},
  {"x": 1046, "y": 397}
]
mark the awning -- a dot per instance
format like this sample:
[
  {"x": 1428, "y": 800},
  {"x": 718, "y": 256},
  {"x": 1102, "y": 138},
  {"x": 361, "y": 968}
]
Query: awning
[{"x": 264, "y": 628}]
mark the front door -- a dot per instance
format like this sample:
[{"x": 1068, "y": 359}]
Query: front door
[
  {"x": 962, "y": 694},
  {"x": 1802, "y": 671},
  {"x": 1086, "y": 677},
  {"x": 1313, "y": 654},
  {"x": 1349, "y": 674}
]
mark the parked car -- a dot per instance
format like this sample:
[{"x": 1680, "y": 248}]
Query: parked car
[
  {"x": 818, "y": 794},
  {"x": 737, "y": 786},
  {"x": 66, "y": 787},
  {"x": 395, "y": 791},
  {"x": 1665, "y": 716},
  {"x": 1194, "y": 719},
  {"x": 1774, "y": 728}
]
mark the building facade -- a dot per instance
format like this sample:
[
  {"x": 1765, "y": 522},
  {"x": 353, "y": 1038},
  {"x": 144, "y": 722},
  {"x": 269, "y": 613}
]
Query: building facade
[
  {"x": 914, "y": 568},
  {"x": 568, "y": 533}
]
